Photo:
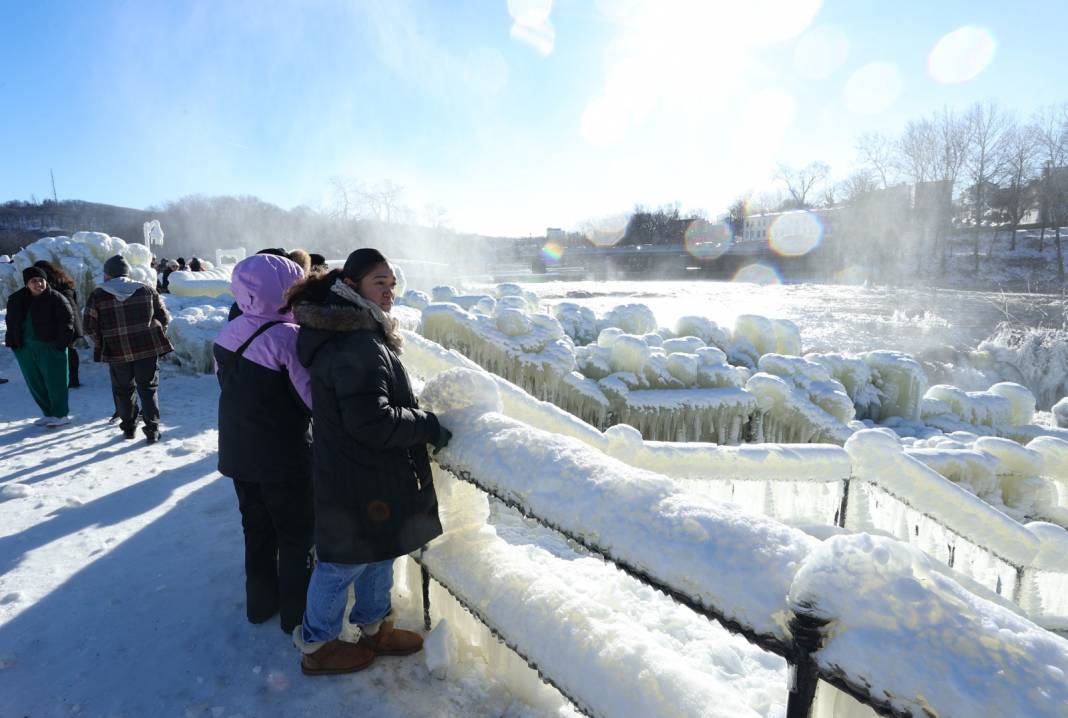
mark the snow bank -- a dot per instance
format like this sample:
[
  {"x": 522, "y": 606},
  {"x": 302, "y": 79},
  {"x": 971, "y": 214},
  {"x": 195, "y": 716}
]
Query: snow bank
[
  {"x": 734, "y": 563},
  {"x": 910, "y": 635}
]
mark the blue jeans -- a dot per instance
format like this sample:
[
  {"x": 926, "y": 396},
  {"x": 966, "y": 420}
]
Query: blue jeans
[{"x": 328, "y": 593}]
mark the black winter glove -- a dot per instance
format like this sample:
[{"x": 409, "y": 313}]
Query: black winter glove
[{"x": 443, "y": 439}]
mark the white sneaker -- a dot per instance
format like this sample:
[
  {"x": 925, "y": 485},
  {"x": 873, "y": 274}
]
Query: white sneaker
[
  {"x": 43, "y": 421},
  {"x": 55, "y": 421}
]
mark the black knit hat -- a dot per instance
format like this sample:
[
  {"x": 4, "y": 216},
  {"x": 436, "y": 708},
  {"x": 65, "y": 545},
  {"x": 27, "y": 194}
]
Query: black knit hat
[
  {"x": 117, "y": 267},
  {"x": 362, "y": 261},
  {"x": 33, "y": 272}
]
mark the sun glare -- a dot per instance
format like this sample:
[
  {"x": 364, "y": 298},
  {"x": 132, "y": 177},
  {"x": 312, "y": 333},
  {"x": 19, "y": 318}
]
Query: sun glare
[{"x": 961, "y": 55}]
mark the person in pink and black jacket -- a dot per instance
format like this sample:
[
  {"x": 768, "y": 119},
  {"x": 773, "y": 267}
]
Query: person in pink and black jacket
[{"x": 265, "y": 438}]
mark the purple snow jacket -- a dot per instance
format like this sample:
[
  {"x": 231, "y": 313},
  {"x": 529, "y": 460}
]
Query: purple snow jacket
[{"x": 265, "y": 397}]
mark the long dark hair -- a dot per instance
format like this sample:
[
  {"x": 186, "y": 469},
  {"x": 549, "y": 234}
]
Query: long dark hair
[
  {"x": 313, "y": 288},
  {"x": 58, "y": 278}
]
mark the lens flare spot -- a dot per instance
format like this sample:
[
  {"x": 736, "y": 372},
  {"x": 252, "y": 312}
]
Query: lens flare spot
[
  {"x": 795, "y": 234},
  {"x": 961, "y": 55},
  {"x": 705, "y": 240},
  {"x": 872, "y": 89},
  {"x": 552, "y": 252},
  {"x": 758, "y": 273}
]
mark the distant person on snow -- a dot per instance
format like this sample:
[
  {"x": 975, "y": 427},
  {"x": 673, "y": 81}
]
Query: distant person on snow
[
  {"x": 374, "y": 494},
  {"x": 318, "y": 263},
  {"x": 63, "y": 283},
  {"x": 127, "y": 324},
  {"x": 181, "y": 265},
  {"x": 40, "y": 327},
  {"x": 195, "y": 265},
  {"x": 265, "y": 442}
]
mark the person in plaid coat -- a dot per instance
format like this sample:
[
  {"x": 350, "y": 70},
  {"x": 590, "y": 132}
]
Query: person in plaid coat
[{"x": 127, "y": 324}]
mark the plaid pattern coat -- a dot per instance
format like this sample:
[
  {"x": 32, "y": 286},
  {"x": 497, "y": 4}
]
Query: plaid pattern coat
[{"x": 125, "y": 331}]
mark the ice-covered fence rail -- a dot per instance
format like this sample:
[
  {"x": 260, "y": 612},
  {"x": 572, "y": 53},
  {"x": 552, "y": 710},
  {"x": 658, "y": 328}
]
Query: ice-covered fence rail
[
  {"x": 880, "y": 463},
  {"x": 983, "y": 544},
  {"x": 732, "y": 567}
]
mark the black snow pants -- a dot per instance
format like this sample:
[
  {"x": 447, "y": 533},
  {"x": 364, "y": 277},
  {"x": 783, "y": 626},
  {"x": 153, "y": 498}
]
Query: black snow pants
[
  {"x": 278, "y": 520},
  {"x": 144, "y": 374}
]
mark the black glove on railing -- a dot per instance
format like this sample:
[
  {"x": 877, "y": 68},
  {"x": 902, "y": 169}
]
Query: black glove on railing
[{"x": 443, "y": 439}]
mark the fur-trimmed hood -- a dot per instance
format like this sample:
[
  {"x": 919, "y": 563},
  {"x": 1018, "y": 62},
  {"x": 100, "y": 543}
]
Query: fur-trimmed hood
[{"x": 320, "y": 321}]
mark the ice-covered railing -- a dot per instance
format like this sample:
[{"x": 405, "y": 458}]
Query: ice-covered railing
[
  {"x": 867, "y": 615},
  {"x": 822, "y": 485}
]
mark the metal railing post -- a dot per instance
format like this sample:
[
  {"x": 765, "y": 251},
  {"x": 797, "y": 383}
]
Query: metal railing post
[
  {"x": 426, "y": 596},
  {"x": 804, "y": 674}
]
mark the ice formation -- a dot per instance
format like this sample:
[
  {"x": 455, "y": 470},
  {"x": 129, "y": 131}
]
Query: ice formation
[
  {"x": 205, "y": 283},
  {"x": 631, "y": 318},
  {"x": 82, "y": 255},
  {"x": 1039, "y": 356},
  {"x": 531, "y": 353},
  {"x": 578, "y": 322},
  {"x": 1060, "y": 413},
  {"x": 195, "y": 322},
  {"x": 900, "y": 381}
]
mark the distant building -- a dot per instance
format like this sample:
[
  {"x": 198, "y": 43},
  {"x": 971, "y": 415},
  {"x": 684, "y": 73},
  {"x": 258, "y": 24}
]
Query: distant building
[
  {"x": 819, "y": 223},
  {"x": 552, "y": 233}
]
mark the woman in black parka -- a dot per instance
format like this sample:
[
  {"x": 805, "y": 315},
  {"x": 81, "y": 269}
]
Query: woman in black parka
[
  {"x": 59, "y": 280},
  {"x": 374, "y": 495}
]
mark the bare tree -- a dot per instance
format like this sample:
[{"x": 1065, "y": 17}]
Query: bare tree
[
  {"x": 1051, "y": 123},
  {"x": 800, "y": 183},
  {"x": 988, "y": 128},
  {"x": 863, "y": 181},
  {"x": 878, "y": 154},
  {"x": 736, "y": 215},
  {"x": 1020, "y": 150}
]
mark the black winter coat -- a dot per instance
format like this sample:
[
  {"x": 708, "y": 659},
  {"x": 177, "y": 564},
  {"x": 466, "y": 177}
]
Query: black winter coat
[
  {"x": 72, "y": 296},
  {"x": 264, "y": 427},
  {"x": 53, "y": 319},
  {"x": 374, "y": 495}
]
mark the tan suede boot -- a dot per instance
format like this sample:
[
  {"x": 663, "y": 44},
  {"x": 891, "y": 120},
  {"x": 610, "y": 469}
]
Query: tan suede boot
[
  {"x": 335, "y": 657},
  {"x": 390, "y": 641}
]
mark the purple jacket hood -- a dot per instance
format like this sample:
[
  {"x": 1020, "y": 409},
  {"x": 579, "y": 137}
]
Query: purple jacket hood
[{"x": 259, "y": 283}]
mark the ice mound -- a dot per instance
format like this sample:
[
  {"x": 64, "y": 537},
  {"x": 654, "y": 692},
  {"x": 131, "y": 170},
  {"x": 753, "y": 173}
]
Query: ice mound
[
  {"x": 1038, "y": 356},
  {"x": 578, "y": 322},
  {"x": 631, "y": 318},
  {"x": 528, "y": 350},
  {"x": 195, "y": 322},
  {"x": 900, "y": 381},
  {"x": 205, "y": 283},
  {"x": 81, "y": 255},
  {"x": 459, "y": 395}
]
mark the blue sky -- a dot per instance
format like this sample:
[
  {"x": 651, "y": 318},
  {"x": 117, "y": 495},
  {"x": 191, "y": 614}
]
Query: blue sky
[{"x": 511, "y": 115}]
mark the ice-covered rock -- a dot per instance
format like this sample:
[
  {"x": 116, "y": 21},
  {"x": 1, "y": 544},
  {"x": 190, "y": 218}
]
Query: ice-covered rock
[
  {"x": 206, "y": 283},
  {"x": 901, "y": 383},
  {"x": 631, "y": 318},
  {"x": 416, "y": 299},
  {"x": 578, "y": 322},
  {"x": 1060, "y": 413},
  {"x": 705, "y": 329}
]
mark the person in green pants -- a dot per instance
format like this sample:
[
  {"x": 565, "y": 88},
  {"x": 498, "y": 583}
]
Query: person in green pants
[{"x": 40, "y": 326}]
